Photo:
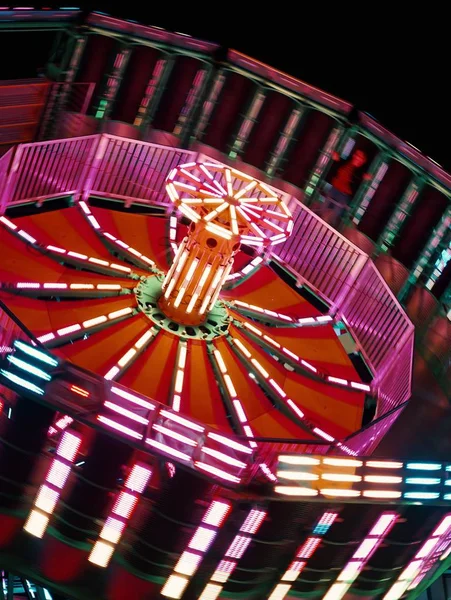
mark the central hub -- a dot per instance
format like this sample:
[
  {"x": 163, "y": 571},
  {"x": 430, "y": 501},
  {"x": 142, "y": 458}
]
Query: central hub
[
  {"x": 200, "y": 268},
  {"x": 148, "y": 292},
  {"x": 231, "y": 200},
  {"x": 226, "y": 208}
]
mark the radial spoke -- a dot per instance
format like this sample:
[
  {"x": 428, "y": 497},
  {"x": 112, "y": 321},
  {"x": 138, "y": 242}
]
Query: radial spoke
[
  {"x": 234, "y": 405},
  {"x": 132, "y": 354},
  {"x": 118, "y": 245},
  {"x": 178, "y": 381},
  {"x": 265, "y": 314},
  {"x": 216, "y": 212},
  {"x": 229, "y": 182},
  {"x": 68, "y": 333},
  {"x": 258, "y": 374},
  {"x": 89, "y": 263},
  {"x": 75, "y": 290},
  {"x": 297, "y": 363}
]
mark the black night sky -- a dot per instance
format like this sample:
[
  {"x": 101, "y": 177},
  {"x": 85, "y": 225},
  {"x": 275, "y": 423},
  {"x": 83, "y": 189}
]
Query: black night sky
[{"x": 394, "y": 66}]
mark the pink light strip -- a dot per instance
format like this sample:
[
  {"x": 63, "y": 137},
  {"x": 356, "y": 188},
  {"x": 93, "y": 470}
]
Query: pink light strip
[
  {"x": 21, "y": 285},
  {"x": 55, "y": 480},
  {"x": 70, "y": 253},
  {"x": 303, "y": 553},
  {"x": 244, "y": 350},
  {"x": 436, "y": 545},
  {"x": 361, "y": 556},
  {"x": 190, "y": 560},
  {"x": 61, "y": 424},
  {"x": 437, "y": 552},
  {"x": 354, "y": 385},
  {"x": 120, "y": 514},
  {"x": 95, "y": 225},
  {"x": 305, "y": 321},
  {"x": 237, "y": 548}
]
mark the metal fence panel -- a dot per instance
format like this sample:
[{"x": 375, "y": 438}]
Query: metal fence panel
[
  {"x": 51, "y": 168},
  {"x": 135, "y": 170},
  {"x": 327, "y": 260}
]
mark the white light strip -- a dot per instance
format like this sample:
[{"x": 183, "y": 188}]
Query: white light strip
[
  {"x": 201, "y": 541},
  {"x": 115, "y": 524},
  {"x": 303, "y": 553},
  {"x": 240, "y": 412},
  {"x": 226, "y": 566},
  {"x": 416, "y": 570},
  {"x": 55, "y": 481},
  {"x": 85, "y": 325},
  {"x": 361, "y": 556},
  {"x": 132, "y": 353}
]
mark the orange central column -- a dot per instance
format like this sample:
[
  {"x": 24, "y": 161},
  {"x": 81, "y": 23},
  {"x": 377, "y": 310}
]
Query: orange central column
[{"x": 200, "y": 268}]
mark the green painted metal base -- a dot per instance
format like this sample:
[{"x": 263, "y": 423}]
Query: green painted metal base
[{"x": 148, "y": 292}]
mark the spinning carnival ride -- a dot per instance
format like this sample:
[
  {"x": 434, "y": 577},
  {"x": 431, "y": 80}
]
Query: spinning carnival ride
[
  {"x": 196, "y": 370},
  {"x": 174, "y": 343},
  {"x": 239, "y": 350}
]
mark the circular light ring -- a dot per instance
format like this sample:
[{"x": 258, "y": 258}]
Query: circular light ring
[{"x": 229, "y": 203}]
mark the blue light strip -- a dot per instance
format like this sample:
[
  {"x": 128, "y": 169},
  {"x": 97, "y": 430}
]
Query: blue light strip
[
  {"x": 42, "y": 356},
  {"x": 420, "y": 466},
  {"x": 21, "y": 364},
  {"x": 22, "y": 382}
]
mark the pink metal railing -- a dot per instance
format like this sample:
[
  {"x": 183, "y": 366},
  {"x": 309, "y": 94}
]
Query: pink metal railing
[
  {"x": 45, "y": 169},
  {"x": 338, "y": 270},
  {"x": 385, "y": 334},
  {"x": 132, "y": 170},
  {"x": 344, "y": 274},
  {"x": 327, "y": 260},
  {"x": 5, "y": 163}
]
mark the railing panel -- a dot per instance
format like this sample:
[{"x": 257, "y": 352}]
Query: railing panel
[
  {"x": 376, "y": 317},
  {"x": 50, "y": 168},
  {"x": 395, "y": 384},
  {"x": 363, "y": 443},
  {"x": 328, "y": 261},
  {"x": 136, "y": 170},
  {"x": 5, "y": 163}
]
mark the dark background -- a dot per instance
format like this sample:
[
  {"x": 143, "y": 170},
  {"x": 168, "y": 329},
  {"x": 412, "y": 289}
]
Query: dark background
[{"x": 390, "y": 60}]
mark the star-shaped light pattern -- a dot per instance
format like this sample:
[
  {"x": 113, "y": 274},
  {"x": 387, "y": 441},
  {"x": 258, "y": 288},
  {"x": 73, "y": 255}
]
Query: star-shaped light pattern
[
  {"x": 277, "y": 371},
  {"x": 231, "y": 203}
]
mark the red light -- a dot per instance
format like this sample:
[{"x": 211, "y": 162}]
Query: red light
[{"x": 79, "y": 391}]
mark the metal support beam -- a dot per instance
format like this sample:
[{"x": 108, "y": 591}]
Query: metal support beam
[
  {"x": 368, "y": 187},
  {"x": 286, "y": 140},
  {"x": 343, "y": 145},
  {"x": 60, "y": 91},
  {"x": 440, "y": 237},
  {"x": 247, "y": 123},
  {"x": 316, "y": 178},
  {"x": 209, "y": 104},
  {"x": 193, "y": 103},
  {"x": 154, "y": 91},
  {"x": 402, "y": 211},
  {"x": 113, "y": 82}
]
